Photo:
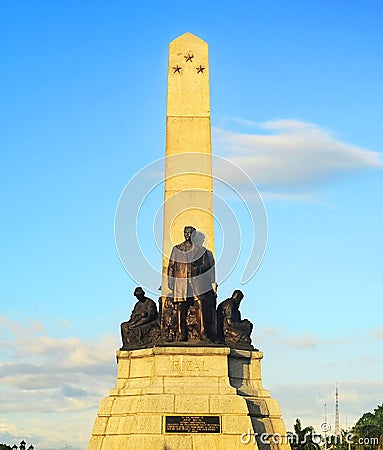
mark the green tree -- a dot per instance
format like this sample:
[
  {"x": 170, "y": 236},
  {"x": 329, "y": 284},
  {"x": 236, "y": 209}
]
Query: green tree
[
  {"x": 302, "y": 438},
  {"x": 370, "y": 426},
  {"x": 5, "y": 447}
]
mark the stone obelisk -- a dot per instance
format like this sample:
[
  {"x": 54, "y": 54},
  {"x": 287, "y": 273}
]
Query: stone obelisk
[
  {"x": 173, "y": 397},
  {"x": 188, "y": 172}
]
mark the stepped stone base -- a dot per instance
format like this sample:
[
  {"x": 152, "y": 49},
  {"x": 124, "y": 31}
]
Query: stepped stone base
[{"x": 157, "y": 383}]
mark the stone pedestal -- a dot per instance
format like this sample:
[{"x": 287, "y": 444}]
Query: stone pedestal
[{"x": 157, "y": 383}]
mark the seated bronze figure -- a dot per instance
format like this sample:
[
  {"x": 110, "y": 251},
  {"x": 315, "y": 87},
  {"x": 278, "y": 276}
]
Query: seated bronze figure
[
  {"x": 143, "y": 328},
  {"x": 231, "y": 329}
]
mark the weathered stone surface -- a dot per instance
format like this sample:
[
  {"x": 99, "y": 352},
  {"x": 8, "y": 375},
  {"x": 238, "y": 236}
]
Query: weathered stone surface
[
  {"x": 106, "y": 406},
  {"x": 187, "y": 404},
  {"x": 100, "y": 425},
  {"x": 133, "y": 416},
  {"x": 219, "y": 403}
]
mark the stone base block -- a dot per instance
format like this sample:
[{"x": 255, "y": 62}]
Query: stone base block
[{"x": 157, "y": 383}]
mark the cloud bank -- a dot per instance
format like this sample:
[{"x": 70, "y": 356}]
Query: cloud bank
[
  {"x": 50, "y": 387},
  {"x": 305, "y": 340},
  {"x": 291, "y": 154}
]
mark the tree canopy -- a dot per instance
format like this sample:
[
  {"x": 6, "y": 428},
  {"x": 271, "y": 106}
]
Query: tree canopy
[
  {"x": 302, "y": 438},
  {"x": 370, "y": 425},
  {"x": 5, "y": 447}
]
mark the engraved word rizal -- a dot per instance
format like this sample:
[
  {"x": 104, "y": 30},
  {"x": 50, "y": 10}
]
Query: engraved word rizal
[{"x": 189, "y": 366}]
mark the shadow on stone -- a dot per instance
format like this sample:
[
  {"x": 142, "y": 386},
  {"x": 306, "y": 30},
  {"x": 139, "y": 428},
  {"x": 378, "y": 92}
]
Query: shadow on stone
[{"x": 238, "y": 371}]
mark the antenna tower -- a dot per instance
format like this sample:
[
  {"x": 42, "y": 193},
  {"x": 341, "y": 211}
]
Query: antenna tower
[
  {"x": 325, "y": 425},
  {"x": 337, "y": 428}
]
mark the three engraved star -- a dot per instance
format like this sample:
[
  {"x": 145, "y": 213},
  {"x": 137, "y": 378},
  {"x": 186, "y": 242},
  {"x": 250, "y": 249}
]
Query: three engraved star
[{"x": 189, "y": 57}]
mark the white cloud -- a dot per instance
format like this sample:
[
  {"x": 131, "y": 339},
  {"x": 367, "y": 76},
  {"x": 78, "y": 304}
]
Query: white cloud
[
  {"x": 302, "y": 341},
  {"x": 7, "y": 427},
  {"x": 291, "y": 153},
  {"x": 378, "y": 334},
  {"x": 50, "y": 387},
  {"x": 310, "y": 197}
]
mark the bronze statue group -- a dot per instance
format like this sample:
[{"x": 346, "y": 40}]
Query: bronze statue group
[{"x": 189, "y": 314}]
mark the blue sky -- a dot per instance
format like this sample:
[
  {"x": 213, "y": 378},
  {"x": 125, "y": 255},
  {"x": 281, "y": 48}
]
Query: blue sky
[{"x": 296, "y": 99}]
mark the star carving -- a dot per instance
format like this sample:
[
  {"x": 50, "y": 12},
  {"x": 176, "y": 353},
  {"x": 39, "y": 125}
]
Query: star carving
[{"x": 189, "y": 57}]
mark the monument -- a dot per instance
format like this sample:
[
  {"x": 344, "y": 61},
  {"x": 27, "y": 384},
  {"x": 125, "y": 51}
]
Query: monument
[{"x": 188, "y": 377}]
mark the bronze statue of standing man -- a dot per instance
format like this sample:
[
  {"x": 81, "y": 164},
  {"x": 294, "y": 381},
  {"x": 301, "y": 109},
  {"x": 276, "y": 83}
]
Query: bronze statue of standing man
[{"x": 191, "y": 278}]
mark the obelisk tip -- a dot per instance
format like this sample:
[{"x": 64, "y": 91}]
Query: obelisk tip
[{"x": 188, "y": 37}]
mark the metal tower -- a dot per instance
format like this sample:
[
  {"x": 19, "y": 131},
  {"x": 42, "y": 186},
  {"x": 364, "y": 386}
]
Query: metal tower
[
  {"x": 337, "y": 428},
  {"x": 325, "y": 429}
]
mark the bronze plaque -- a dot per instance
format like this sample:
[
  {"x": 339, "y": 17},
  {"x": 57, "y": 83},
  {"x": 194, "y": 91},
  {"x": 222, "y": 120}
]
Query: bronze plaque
[{"x": 192, "y": 424}]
